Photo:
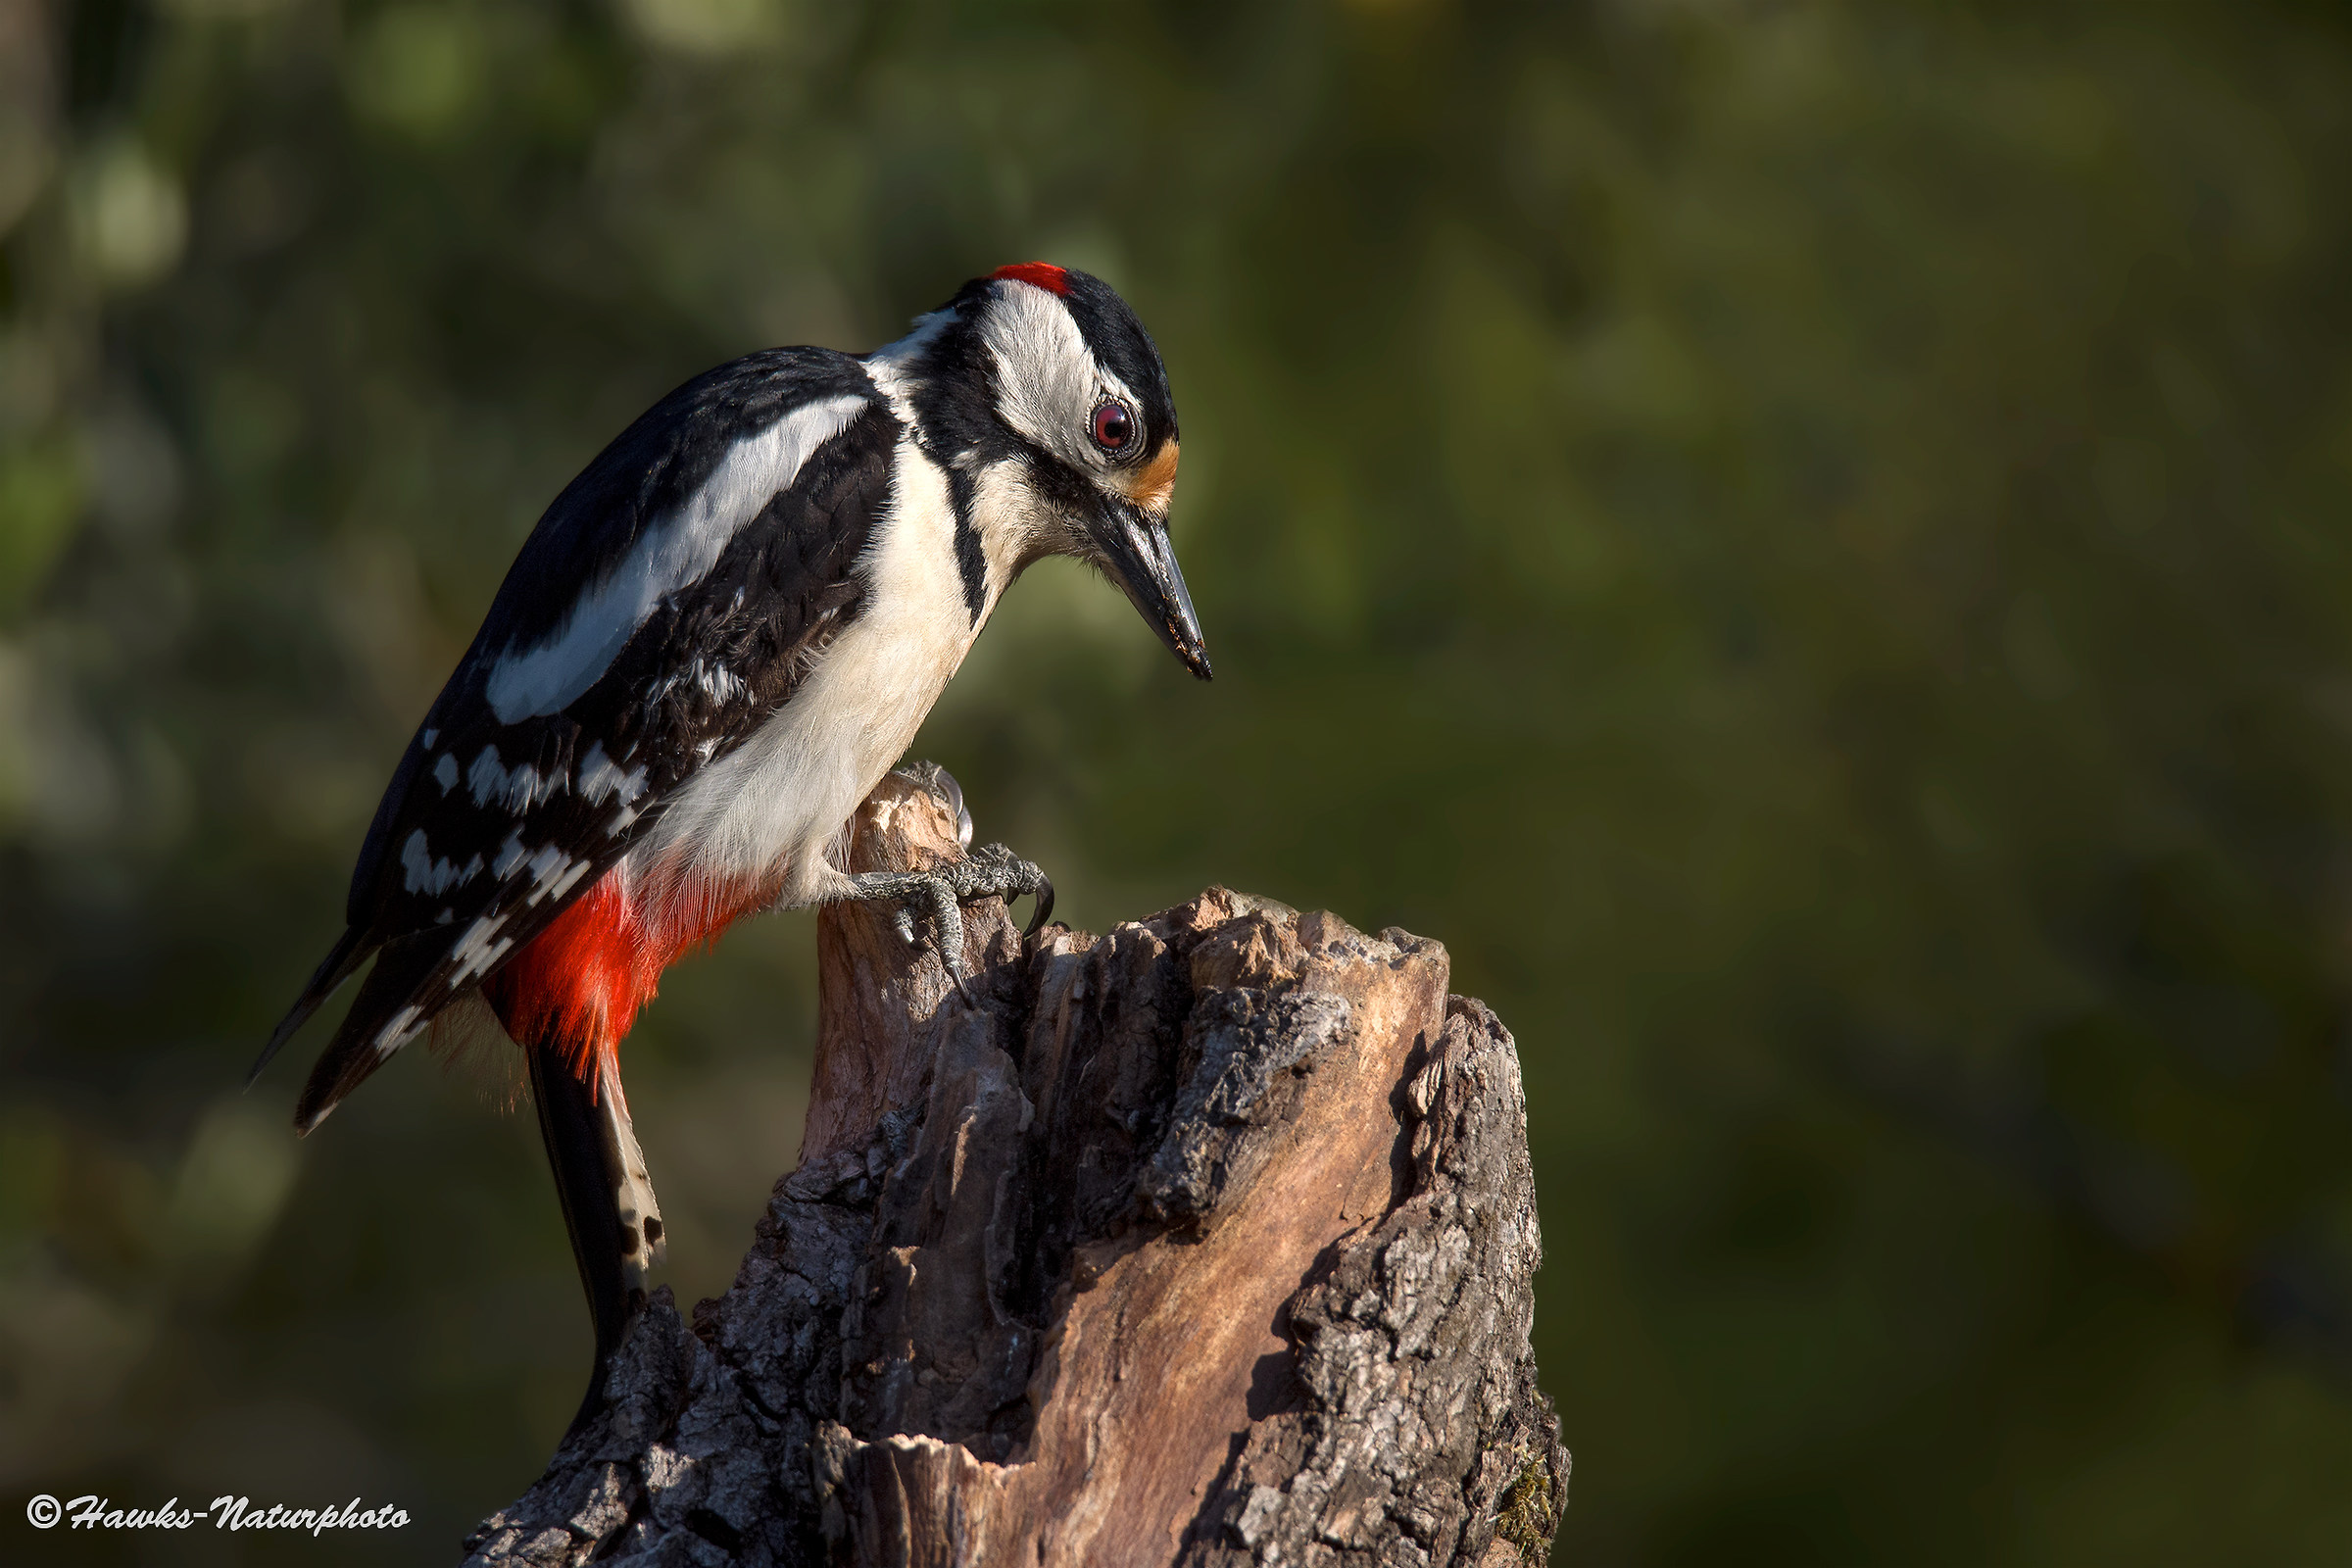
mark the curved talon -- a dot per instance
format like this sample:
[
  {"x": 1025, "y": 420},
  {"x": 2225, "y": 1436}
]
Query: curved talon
[{"x": 1041, "y": 908}]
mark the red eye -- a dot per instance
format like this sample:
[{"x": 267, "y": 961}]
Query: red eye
[{"x": 1114, "y": 426}]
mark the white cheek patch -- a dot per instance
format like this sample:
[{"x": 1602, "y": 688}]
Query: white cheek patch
[
  {"x": 676, "y": 551},
  {"x": 1046, "y": 374}
]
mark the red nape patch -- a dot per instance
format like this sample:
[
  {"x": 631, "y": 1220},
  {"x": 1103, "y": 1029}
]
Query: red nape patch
[
  {"x": 581, "y": 983},
  {"x": 1045, "y": 275}
]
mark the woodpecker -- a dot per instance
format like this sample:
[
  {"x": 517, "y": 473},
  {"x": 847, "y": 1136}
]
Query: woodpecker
[{"x": 714, "y": 643}]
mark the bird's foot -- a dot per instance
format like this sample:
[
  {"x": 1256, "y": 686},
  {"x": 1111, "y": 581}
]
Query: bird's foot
[{"x": 991, "y": 871}]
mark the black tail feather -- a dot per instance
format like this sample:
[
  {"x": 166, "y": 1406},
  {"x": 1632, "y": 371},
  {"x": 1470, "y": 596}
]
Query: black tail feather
[
  {"x": 582, "y": 1156},
  {"x": 401, "y": 967},
  {"x": 609, "y": 1210},
  {"x": 348, "y": 954}
]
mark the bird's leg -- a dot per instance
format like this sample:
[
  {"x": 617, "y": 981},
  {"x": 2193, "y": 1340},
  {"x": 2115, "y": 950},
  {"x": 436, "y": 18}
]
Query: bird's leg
[{"x": 991, "y": 871}]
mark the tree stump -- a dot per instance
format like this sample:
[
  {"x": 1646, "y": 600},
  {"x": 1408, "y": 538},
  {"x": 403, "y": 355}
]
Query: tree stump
[{"x": 1210, "y": 1240}]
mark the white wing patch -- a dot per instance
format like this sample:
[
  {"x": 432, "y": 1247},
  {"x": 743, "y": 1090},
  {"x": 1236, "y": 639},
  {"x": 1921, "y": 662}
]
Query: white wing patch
[
  {"x": 518, "y": 788},
  {"x": 445, "y": 772},
  {"x": 553, "y": 872},
  {"x": 432, "y": 876},
  {"x": 600, "y": 776},
  {"x": 675, "y": 552},
  {"x": 772, "y": 802},
  {"x": 509, "y": 856},
  {"x": 398, "y": 1032},
  {"x": 475, "y": 953}
]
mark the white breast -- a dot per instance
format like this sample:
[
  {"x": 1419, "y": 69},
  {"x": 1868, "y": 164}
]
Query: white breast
[{"x": 765, "y": 813}]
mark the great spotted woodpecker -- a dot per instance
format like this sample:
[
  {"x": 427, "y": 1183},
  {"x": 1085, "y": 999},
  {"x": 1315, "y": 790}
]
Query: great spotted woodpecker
[{"x": 712, "y": 647}]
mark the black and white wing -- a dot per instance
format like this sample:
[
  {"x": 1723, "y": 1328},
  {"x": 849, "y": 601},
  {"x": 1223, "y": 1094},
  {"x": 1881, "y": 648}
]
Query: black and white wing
[{"x": 668, "y": 601}]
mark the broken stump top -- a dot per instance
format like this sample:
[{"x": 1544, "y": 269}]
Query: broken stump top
[{"x": 1209, "y": 1240}]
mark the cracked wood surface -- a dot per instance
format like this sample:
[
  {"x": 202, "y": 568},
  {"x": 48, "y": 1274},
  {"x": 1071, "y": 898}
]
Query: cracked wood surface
[{"x": 1208, "y": 1241}]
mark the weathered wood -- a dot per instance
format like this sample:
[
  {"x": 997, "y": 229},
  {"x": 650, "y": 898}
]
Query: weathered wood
[
  {"x": 1210, "y": 1240},
  {"x": 878, "y": 1003}
]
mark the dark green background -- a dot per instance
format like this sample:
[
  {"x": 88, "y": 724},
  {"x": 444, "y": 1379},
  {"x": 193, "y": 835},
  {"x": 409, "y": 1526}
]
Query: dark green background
[{"x": 1807, "y": 543}]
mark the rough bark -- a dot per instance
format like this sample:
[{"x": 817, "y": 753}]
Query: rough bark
[{"x": 1208, "y": 1241}]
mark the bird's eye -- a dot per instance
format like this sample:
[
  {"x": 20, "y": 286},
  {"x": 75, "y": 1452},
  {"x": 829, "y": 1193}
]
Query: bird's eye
[{"x": 1114, "y": 426}]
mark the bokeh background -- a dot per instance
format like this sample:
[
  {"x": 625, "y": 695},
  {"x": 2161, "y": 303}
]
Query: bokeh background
[{"x": 1807, "y": 542}]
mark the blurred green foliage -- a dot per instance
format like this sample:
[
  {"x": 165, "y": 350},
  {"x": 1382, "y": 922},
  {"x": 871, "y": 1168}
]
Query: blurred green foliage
[{"x": 1807, "y": 542}]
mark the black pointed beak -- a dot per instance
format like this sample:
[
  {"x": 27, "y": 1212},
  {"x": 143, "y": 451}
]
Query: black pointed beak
[{"x": 1136, "y": 552}]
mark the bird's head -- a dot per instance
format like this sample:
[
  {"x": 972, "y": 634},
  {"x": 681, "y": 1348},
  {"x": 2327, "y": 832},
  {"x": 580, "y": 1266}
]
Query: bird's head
[{"x": 1044, "y": 398}]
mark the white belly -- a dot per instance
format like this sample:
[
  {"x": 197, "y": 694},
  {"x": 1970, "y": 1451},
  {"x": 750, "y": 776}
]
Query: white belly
[{"x": 766, "y": 812}]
